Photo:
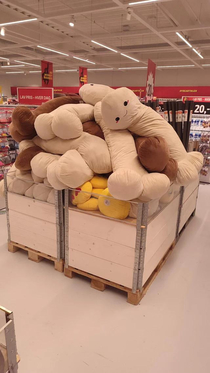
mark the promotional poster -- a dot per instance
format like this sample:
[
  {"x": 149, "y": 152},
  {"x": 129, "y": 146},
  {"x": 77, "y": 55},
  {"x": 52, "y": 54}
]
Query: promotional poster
[
  {"x": 82, "y": 76},
  {"x": 150, "y": 84},
  {"x": 47, "y": 74}
]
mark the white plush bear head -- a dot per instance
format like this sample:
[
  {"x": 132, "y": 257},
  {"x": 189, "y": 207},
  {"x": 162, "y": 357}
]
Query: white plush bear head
[
  {"x": 119, "y": 108},
  {"x": 93, "y": 93}
]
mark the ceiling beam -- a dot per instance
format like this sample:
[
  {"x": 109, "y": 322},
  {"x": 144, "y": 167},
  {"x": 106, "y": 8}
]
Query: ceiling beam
[{"x": 146, "y": 24}]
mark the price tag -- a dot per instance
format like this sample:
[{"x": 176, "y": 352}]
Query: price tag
[{"x": 202, "y": 108}]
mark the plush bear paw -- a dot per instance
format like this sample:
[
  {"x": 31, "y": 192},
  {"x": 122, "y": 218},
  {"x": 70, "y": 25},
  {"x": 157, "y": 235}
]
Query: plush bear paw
[
  {"x": 66, "y": 125},
  {"x": 125, "y": 184},
  {"x": 155, "y": 185}
]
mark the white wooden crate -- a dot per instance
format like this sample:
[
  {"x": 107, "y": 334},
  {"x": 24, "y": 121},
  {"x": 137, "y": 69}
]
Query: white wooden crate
[
  {"x": 189, "y": 202},
  {"x": 33, "y": 224},
  {"x": 106, "y": 247}
]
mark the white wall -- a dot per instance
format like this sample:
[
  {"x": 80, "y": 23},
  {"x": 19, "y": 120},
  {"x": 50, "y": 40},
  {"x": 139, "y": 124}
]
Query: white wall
[{"x": 178, "y": 77}]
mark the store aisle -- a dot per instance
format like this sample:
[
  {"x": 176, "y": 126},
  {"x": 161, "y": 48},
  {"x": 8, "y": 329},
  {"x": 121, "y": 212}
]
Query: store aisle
[{"x": 63, "y": 325}]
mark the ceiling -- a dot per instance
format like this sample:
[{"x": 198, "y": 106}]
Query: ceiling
[{"x": 150, "y": 33}]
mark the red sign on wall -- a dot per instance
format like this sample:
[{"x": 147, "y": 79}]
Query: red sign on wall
[
  {"x": 82, "y": 76},
  {"x": 47, "y": 74},
  {"x": 34, "y": 96}
]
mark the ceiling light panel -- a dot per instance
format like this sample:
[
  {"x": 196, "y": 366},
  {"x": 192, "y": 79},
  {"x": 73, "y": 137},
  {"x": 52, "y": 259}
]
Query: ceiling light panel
[
  {"x": 27, "y": 63},
  {"x": 16, "y": 22},
  {"x": 52, "y": 50},
  {"x": 131, "y": 58},
  {"x": 182, "y": 37},
  {"x": 104, "y": 46},
  {"x": 142, "y": 2},
  {"x": 81, "y": 59},
  {"x": 7, "y": 67},
  {"x": 14, "y": 72},
  {"x": 194, "y": 50}
]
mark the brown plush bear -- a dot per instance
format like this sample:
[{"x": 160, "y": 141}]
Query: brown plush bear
[{"x": 153, "y": 153}]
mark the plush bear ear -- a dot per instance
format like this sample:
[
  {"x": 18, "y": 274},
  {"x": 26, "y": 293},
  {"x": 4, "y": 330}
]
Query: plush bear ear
[
  {"x": 119, "y": 108},
  {"x": 23, "y": 161},
  {"x": 93, "y": 93}
]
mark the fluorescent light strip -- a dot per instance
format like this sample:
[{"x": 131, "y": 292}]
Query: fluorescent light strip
[
  {"x": 104, "y": 46},
  {"x": 132, "y": 68},
  {"x": 105, "y": 69},
  {"x": 182, "y": 37},
  {"x": 14, "y": 72},
  {"x": 143, "y": 2},
  {"x": 3, "y": 58},
  {"x": 62, "y": 71},
  {"x": 131, "y": 58},
  {"x": 174, "y": 66},
  {"x": 7, "y": 67},
  {"x": 35, "y": 71},
  {"x": 27, "y": 63},
  {"x": 77, "y": 58},
  {"x": 206, "y": 64},
  {"x": 197, "y": 53},
  {"x": 52, "y": 50},
  {"x": 16, "y": 22}
]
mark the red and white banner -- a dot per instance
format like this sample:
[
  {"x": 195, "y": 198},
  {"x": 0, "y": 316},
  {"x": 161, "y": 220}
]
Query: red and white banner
[
  {"x": 33, "y": 95},
  {"x": 150, "y": 83},
  {"x": 47, "y": 74},
  {"x": 82, "y": 76}
]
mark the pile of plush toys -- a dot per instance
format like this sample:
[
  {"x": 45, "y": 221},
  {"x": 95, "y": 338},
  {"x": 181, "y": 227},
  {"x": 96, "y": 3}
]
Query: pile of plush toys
[{"x": 105, "y": 144}]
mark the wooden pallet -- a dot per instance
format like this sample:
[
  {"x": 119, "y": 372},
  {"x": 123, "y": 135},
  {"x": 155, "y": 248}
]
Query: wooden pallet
[
  {"x": 36, "y": 256},
  {"x": 101, "y": 284}
]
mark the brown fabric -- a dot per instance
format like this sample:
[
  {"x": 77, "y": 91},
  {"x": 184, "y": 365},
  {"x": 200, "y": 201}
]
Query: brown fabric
[
  {"x": 16, "y": 135},
  {"x": 171, "y": 169},
  {"x": 93, "y": 128},
  {"x": 23, "y": 118},
  {"x": 153, "y": 153},
  {"x": 23, "y": 161}
]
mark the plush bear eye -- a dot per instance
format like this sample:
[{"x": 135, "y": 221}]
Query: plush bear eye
[
  {"x": 117, "y": 119},
  {"x": 91, "y": 84},
  {"x": 125, "y": 103}
]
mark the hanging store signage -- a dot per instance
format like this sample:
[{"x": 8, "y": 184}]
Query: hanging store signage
[
  {"x": 150, "y": 84},
  {"x": 47, "y": 74},
  {"x": 82, "y": 76},
  {"x": 34, "y": 96}
]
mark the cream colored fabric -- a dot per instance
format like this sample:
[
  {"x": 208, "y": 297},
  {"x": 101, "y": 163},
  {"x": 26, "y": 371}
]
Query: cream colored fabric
[
  {"x": 52, "y": 177},
  {"x": 37, "y": 179},
  {"x": 64, "y": 122},
  {"x": 24, "y": 175},
  {"x": 41, "y": 192},
  {"x": 72, "y": 170},
  {"x": 93, "y": 93},
  {"x": 51, "y": 197},
  {"x": 19, "y": 186},
  {"x": 152, "y": 208},
  {"x": 93, "y": 149},
  {"x": 40, "y": 163},
  {"x": 25, "y": 144},
  {"x": 167, "y": 197},
  {"x": 29, "y": 192},
  {"x": 121, "y": 109},
  {"x": 46, "y": 182},
  {"x": 129, "y": 179},
  {"x": 43, "y": 125}
]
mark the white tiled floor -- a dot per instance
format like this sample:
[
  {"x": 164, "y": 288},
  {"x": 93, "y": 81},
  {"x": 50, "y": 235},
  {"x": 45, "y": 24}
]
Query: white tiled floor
[{"x": 63, "y": 325}]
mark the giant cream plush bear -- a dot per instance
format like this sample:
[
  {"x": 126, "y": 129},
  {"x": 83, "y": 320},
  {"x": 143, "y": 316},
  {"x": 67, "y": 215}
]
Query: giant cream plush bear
[
  {"x": 62, "y": 152},
  {"x": 121, "y": 114}
]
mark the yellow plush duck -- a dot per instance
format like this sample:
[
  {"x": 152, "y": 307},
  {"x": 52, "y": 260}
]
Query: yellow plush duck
[{"x": 94, "y": 195}]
